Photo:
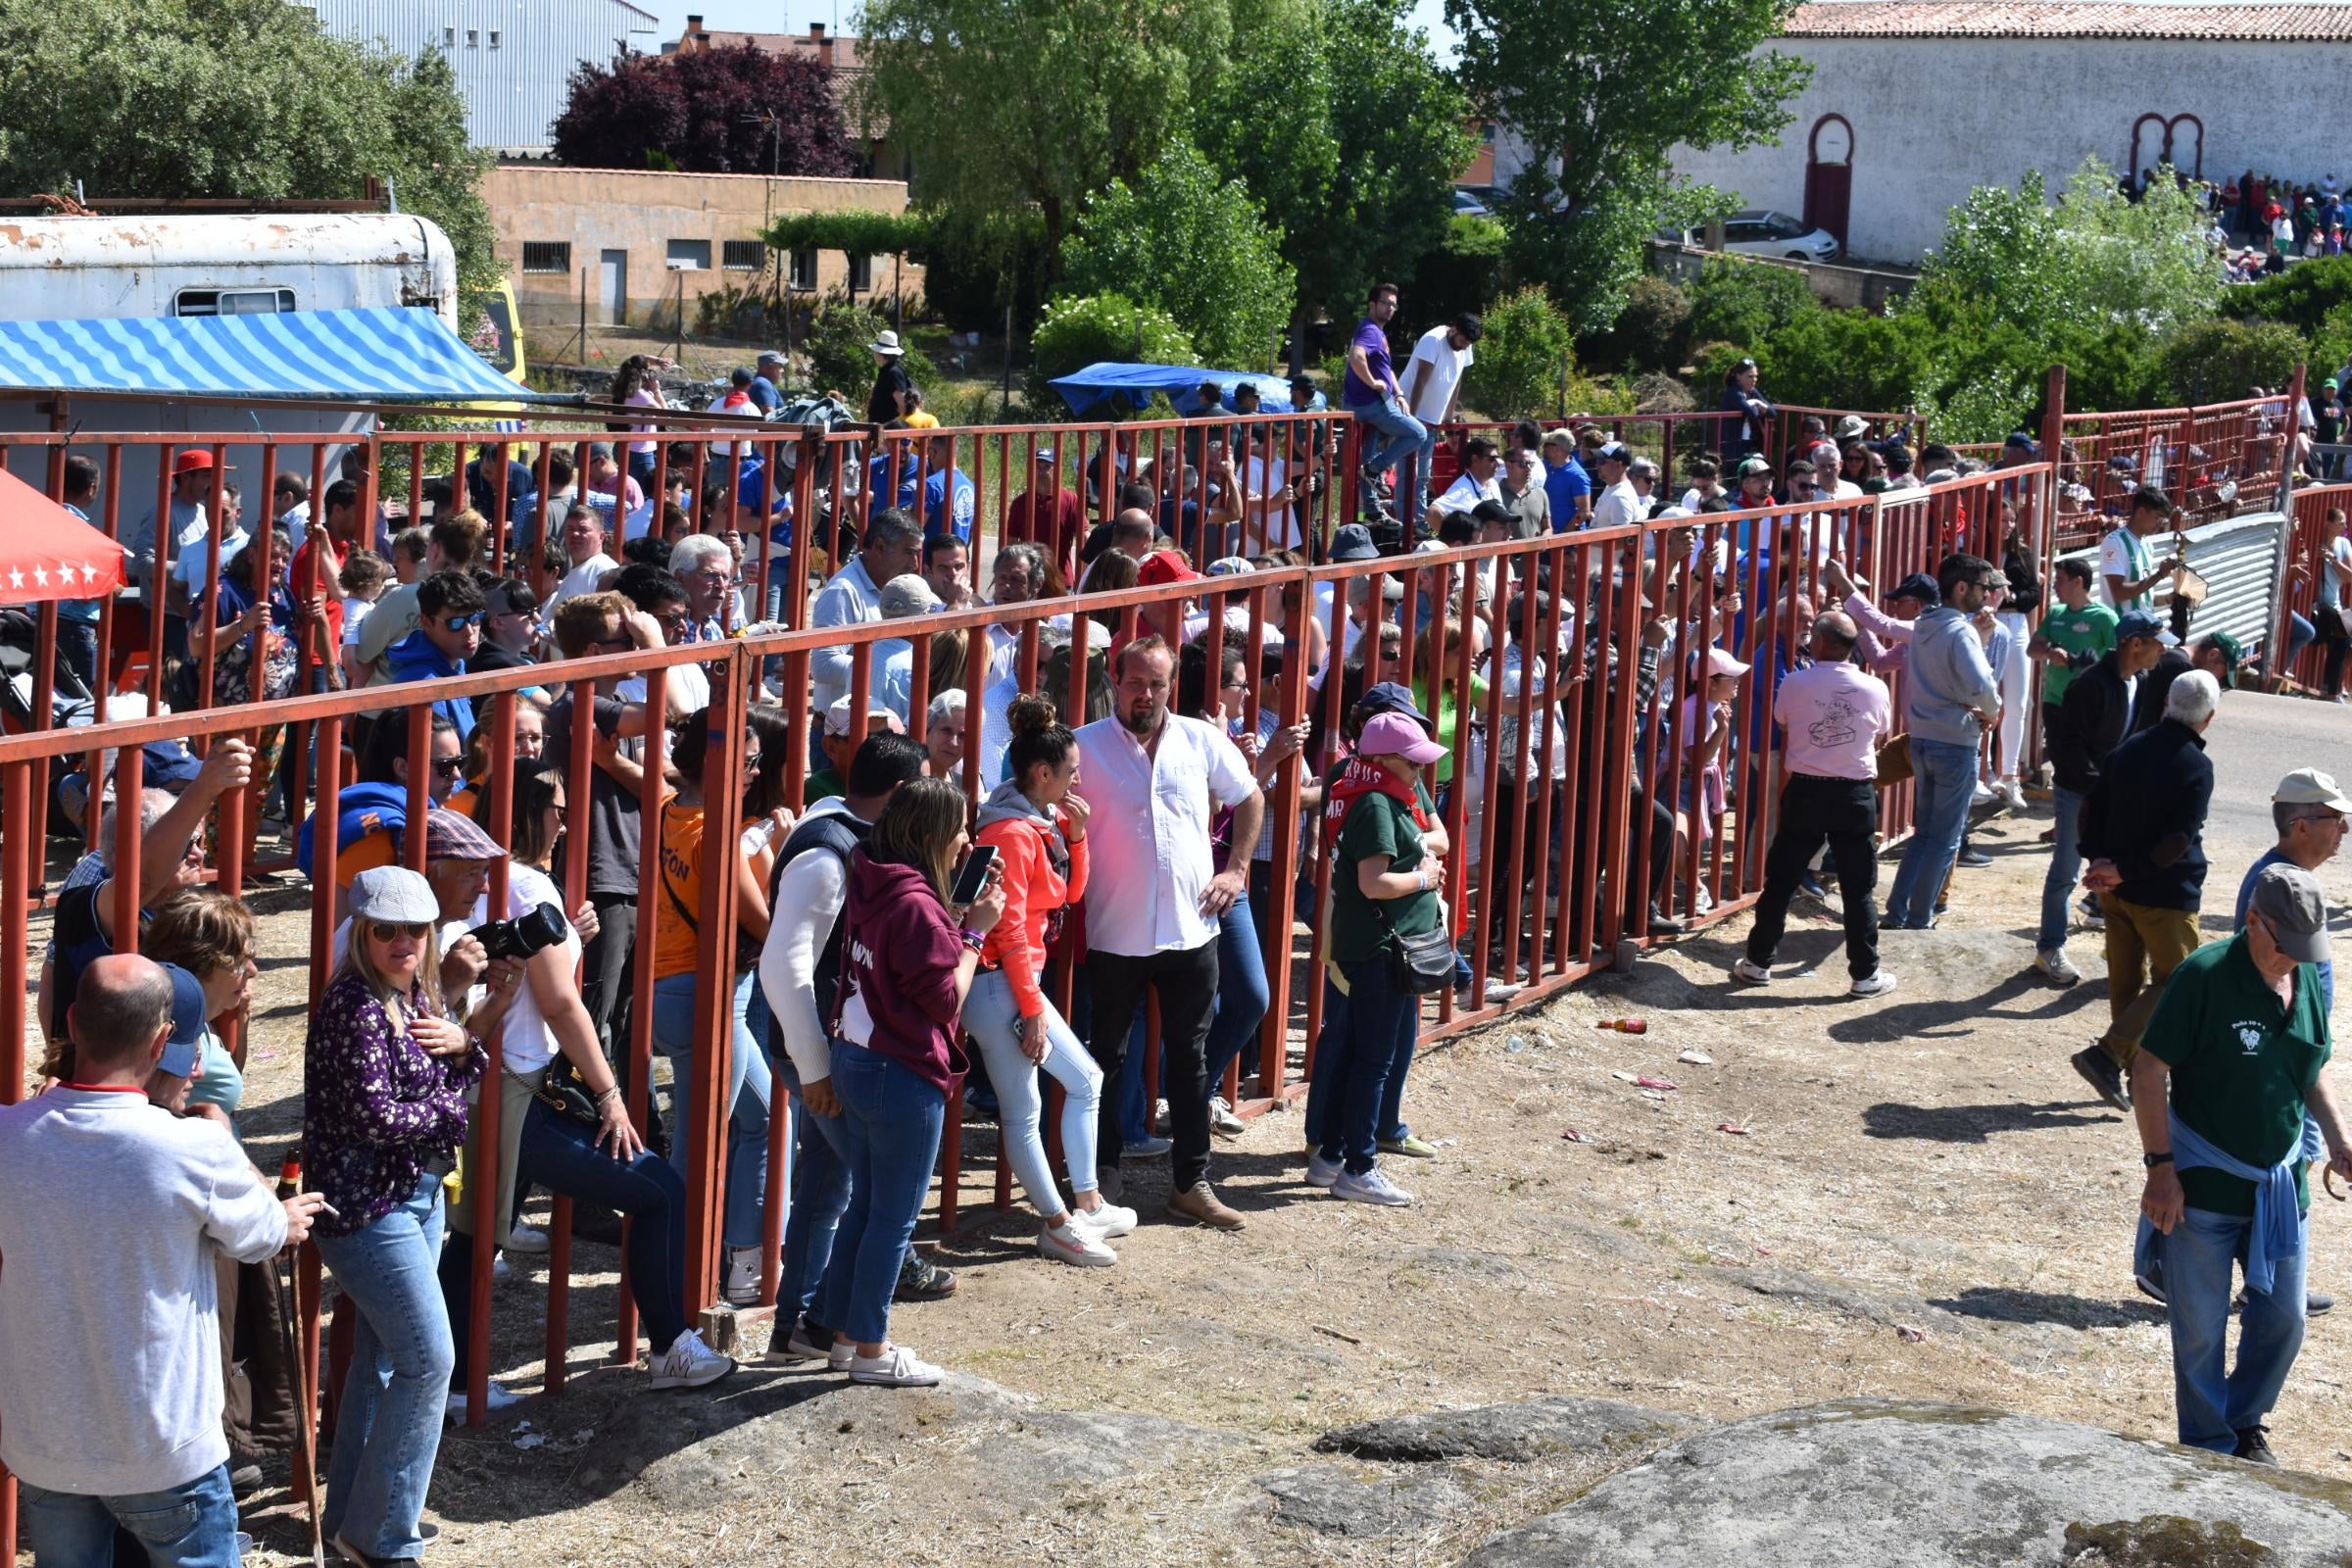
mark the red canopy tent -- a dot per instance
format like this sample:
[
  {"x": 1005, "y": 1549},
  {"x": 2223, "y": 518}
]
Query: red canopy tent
[{"x": 46, "y": 553}]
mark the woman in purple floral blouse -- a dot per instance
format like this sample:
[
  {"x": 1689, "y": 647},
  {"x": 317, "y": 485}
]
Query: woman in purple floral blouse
[{"x": 385, "y": 1073}]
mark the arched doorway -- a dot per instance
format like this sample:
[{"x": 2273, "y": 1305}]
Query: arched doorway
[
  {"x": 1829, "y": 175},
  {"x": 2178, "y": 141}
]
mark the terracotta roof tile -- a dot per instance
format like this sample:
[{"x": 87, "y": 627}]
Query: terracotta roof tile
[{"x": 1991, "y": 19}]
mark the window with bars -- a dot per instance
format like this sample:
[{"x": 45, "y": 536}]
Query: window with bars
[
  {"x": 547, "y": 256},
  {"x": 743, "y": 256}
]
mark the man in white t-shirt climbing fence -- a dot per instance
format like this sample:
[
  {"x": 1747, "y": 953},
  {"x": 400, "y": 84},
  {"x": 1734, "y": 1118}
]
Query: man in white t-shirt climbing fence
[
  {"x": 1433, "y": 376},
  {"x": 2128, "y": 565}
]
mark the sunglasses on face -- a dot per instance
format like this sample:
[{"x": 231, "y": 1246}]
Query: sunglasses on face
[
  {"x": 392, "y": 931},
  {"x": 460, "y": 622},
  {"x": 448, "y": 766}
]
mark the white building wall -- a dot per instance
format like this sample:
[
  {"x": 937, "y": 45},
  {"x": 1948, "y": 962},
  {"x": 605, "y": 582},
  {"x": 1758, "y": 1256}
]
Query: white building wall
[{"x": 1933, "y": 117}]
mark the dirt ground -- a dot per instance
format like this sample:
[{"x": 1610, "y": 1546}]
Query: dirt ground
[{"x": 1924, "y": 1202}]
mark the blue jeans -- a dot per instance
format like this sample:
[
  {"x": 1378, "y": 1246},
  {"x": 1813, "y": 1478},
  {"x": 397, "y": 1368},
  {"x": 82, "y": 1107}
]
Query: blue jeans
[
  {"x": 2299, "y": 633},
  {"x": 1380, "y": 1020},
  {"x": 561, "y": 1156},
  {"x": 890, "y": 1122},
  {"x": 388, "y": 1430},
  {"x": 641, "y": 469},
  {"x": 1945, "y": 779},
  {"x": 2066, "y": 868},
  {"x": 78, "y": 647},
  {"x": 1404, "y": 437},
  {"x": 748, "y": 1089},
  {"x": 193, "y": 1525},
  {"x": 820, "y": 1191},
  {"x": 2215, "y": 1404},
  {"x": 1323, "y": 1085},
  {"x": 1243, "y": 995},
  {"x": 989, "y": 1013}
]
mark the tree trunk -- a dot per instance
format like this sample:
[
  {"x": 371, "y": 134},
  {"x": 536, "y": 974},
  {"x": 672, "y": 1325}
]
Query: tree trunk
[{"x": 1303, "y": 319}]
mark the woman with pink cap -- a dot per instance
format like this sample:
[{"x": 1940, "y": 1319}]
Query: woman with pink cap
[{"x": 1384, "y": 889}]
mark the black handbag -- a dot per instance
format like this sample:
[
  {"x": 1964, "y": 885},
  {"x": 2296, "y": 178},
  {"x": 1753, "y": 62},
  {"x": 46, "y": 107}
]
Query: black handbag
[
  {"x": 560, "y": 1092},
  {"x": 1419, "y": 965}
]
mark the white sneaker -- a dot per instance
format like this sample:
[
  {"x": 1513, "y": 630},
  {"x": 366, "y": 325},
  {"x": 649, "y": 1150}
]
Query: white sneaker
[
  {"x": 1701, "y": 900},
  {"x": 2094, "y": 917},
  {"x": 897, "y": 1367},
  {"x": 497, "y": 1400},
  {"x": 1502, "y": 991},
  {"x": 2014, "y": 793},
  {"x": 1372, "y": 1186},
  {"x": 1160, "y": 1113},
  {"x": 689, "y": 1363},
  {"x": 1982, "y": 796},
  {"x": 501, "y": 1270},
  {"x": 743, "y": 1276},
  {"x": 1109, "y": 1221},
  {"x": 1222, "y": 1119},
  {"x": 529, "y": 1240},
  {"x": 1871, "y": 985},
  {"x": 1078, "y": 1246},
  {"x": 1751, "y": 974},
  {"x": 1146, "y": 1149},
  {"x": 2055, "y": 964},
  {"x": 842, "y": 1353},
  {"x": 1321, "y": 1172}
]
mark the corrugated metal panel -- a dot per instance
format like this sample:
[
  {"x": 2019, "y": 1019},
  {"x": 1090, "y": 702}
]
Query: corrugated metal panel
[
  {"x": 2239, "y": 559},
  {"x": 511, "y": 57}
]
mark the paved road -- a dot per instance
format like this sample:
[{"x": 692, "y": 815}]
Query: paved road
[{"x": 2253, "y": 741}]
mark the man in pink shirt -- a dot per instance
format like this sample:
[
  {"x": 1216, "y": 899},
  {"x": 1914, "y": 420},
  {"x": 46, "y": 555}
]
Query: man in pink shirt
[{"x": 1836, "y": 715}]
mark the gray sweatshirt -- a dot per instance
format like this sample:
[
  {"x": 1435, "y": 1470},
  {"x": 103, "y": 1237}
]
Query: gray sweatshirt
[
  {"x": 1951, "y": 692},
  {"x": 109, "y": 1338}
]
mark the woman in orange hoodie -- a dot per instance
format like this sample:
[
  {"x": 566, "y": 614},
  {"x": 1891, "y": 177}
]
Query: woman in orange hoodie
[{"x": 1038, "y": 829}]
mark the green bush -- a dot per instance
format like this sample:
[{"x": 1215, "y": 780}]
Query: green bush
[
  {"x": 1744, "y": 302},
  {"x": 1075, "y": 333},
  {"x": 1847, "y": 359},
  {"x": 1710, "y": 363},
  {"x": 2302, "y": 297},
  {"x": 1464, "y": 273},
  {"x": 2217, "y": 362},
  {"x": 1653, "y": 332},
  {"x": 838, "y": 357},
  {"x": 1528, "y": 353}
]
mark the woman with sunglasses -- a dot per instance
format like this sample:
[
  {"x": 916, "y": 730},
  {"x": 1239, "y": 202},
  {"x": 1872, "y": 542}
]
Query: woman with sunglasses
[
  {"x": 677, "y": 946},
  {"x": 385, "y": 1071},
  {"x": 602, "y": 1162}
]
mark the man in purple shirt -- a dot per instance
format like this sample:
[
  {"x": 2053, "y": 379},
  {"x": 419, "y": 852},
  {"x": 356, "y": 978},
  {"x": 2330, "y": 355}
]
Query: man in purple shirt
[
  {"x": 1373, "y": 397},
  {"x": 1836, "y": 715}
]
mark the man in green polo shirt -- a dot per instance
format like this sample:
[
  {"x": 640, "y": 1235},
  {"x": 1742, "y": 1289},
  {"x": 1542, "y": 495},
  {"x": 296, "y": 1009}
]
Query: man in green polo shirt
[
  {"x": 2241, "y": 1036},
  {"x": 2073, "y": 634}
]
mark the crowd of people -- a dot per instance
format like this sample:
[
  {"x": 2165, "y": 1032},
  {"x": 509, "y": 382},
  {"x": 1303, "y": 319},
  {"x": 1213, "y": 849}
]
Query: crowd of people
[{"x": 978, "y": 910}]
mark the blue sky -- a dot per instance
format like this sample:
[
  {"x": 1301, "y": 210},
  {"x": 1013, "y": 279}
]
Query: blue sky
[{"x": 793, "y": 16}]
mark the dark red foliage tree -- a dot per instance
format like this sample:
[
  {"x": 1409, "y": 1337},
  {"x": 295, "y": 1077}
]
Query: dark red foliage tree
[{"x": 733, "y": 110}]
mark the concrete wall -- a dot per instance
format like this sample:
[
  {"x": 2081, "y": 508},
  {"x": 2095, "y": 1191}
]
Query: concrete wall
[
  {"x": 640, "y": 213},
  {"x": 1857, "y": 289},
  {"x": 1933, "y": 117}
]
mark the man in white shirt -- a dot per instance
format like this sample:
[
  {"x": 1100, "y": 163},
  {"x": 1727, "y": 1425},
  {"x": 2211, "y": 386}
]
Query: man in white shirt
[
  {"x": 584, "y": 547},
  {"x": 192, "y": 483},
  {"x": 116, "y": 1216},
  {"x": 800, "y": 962},
  {"x": 853, "y": 597},
  {"x": 1618, "y": 501},
  {"x": 1152, "y": 780},
  {"x": 1432, "y": 377},
  {"x": 2128, "y": 566},
  {"x": 193, "y": 573},
  {"x": 1479, "y": 480}
]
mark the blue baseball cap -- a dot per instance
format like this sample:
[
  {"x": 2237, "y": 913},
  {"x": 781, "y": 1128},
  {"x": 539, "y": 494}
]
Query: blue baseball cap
[
  {"x": 187, "y": 1023},
  {"x": 2136, "y": 624},
  {"x": 1392, "y": 696}
]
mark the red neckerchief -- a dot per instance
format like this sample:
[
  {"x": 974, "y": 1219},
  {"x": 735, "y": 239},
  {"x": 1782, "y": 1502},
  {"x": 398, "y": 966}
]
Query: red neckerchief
[{"x": 1358, "y": 780}]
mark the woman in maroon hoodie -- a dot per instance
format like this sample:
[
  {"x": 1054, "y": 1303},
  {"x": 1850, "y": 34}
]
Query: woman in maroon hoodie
[{"x": 906, "y": 964}]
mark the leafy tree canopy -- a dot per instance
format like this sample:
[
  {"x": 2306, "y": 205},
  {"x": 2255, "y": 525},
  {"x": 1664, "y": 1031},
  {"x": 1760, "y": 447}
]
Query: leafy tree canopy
[
  {"x": 172, "y": 99},
  {"x": 733, "y": 110},
  {"x": 1194, "y": 244},
  {"x": 1604, "y": 89}
]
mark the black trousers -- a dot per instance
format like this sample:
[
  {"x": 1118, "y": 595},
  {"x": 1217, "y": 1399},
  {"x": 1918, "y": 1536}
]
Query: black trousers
[
  {"x": 1186, "y": 979},
  {"x": 1842, "y": 812}
]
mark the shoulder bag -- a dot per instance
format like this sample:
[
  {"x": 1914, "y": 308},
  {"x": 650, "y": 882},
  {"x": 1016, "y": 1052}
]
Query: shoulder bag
[{"x": 1419, "y": 965}]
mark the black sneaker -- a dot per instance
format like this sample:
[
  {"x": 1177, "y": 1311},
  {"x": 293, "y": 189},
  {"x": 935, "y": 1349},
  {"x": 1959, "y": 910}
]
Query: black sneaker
[
  {"x": 921, "y": 1280},
  {"x": 1663, "y": 924},
  {"x": 2151, "y": 1284},
  {"x": 1973, "y": 858},
  {"x": 2099, "y": 1069},
  {"x": 2254, "y": 1447},
  {"x": 2317, "y": 1302}
]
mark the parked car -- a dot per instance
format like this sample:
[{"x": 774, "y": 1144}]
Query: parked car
[
  {"x": 1470, "y": 200},
  {"x": 1762, "y": 231}
]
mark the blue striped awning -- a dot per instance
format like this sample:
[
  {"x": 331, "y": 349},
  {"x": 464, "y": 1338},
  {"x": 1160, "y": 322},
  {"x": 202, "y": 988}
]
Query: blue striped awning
[{"x": 382, "y": 353}]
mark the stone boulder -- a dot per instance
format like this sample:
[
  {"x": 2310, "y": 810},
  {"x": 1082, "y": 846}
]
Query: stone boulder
[
  {"x": 1904, "y": 1484},
  {"x": 1528, "y": 1430}
]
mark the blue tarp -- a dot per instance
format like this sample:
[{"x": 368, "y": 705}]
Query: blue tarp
[
  {"x": 1128, "y": 387},
  {"x": 385, "y": 353}
]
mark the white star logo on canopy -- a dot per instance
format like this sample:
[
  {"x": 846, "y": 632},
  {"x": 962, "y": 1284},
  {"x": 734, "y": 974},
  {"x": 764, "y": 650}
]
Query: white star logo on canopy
[
  {"x": 16, "y": 578},
  {"x": 40, "y": 576}
]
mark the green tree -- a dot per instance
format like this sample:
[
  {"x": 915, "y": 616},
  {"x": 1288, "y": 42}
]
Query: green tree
[
  {"x": 1464, "y": 274},
  {"x": 1194, "y": 243},
  {"x": 2217, "y": 362},
  {"x": 1002, "y": 104},
  {"x": 1339, "y": 118},
  {"x": 838, "y": 357},
  {"x": 1528, "y": 353},
  {"x": 1735, "y": 300},
  {"x": 1609, "y": 89},
  {"x": 173, "y": 99},
  {"x": 1078, "y": 331}
]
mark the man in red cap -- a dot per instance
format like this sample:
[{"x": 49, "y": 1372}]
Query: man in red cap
[{"x": 191, "y": 482}]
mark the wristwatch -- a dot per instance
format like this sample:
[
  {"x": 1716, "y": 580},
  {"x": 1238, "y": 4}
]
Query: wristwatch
[{"x": 2151, "y": 1161}]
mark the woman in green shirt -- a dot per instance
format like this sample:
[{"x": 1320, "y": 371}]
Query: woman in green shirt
[{"x": 1383, "y": 887}]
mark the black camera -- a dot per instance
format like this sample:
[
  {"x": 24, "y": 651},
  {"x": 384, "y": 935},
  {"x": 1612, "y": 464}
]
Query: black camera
[{"x": 525, "y": 936}]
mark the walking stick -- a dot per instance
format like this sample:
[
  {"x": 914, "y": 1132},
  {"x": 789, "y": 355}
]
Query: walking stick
[{"x": 289, "y": 1183}]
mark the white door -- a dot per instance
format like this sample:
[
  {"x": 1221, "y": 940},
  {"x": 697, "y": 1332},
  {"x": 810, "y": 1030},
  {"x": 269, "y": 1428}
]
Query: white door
[{"x": 613, "y": 293}]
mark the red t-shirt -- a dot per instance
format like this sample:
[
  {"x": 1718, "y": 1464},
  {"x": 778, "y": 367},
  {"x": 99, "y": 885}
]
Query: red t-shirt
[{"x": 331, "y": 566}]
